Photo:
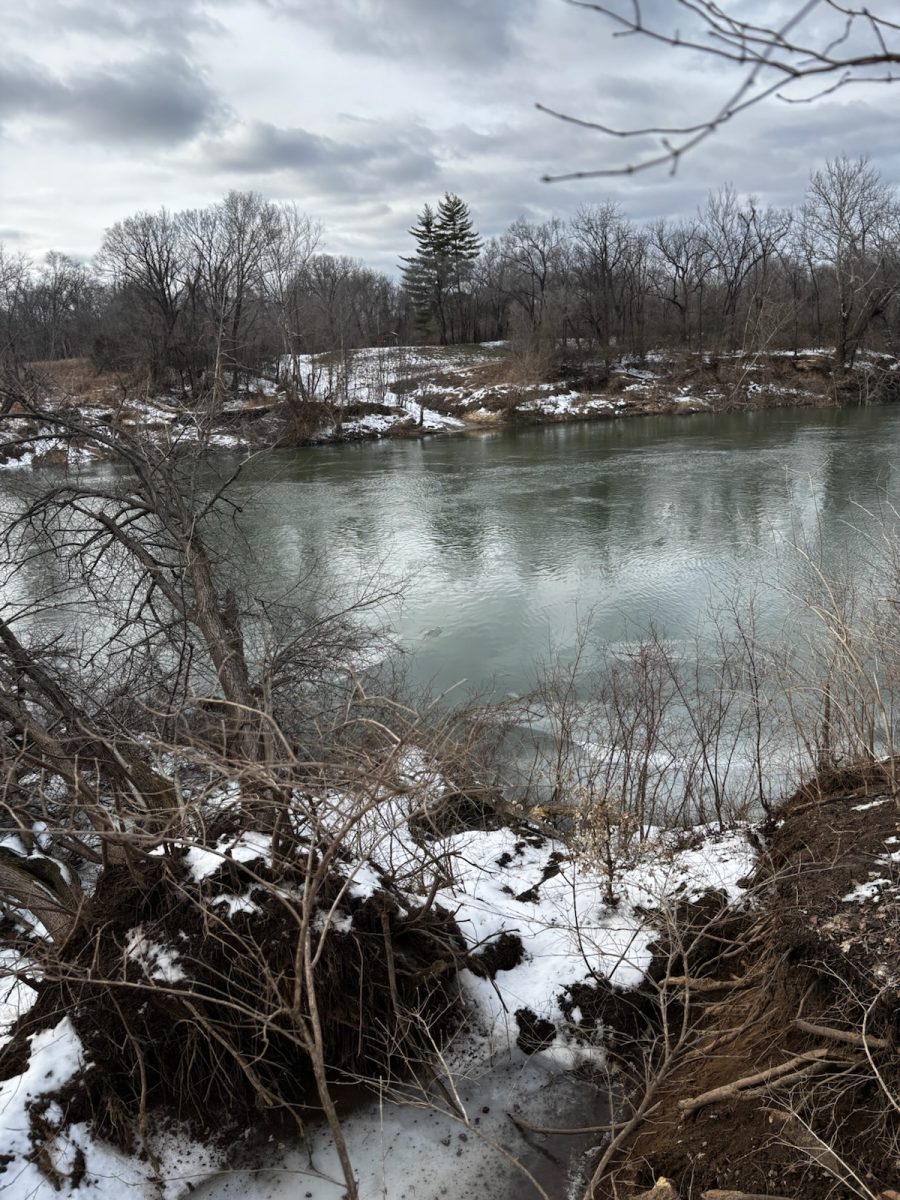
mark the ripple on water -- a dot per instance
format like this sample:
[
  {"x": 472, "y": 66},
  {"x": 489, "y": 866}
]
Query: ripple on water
[{"x": 505, "y": 542}]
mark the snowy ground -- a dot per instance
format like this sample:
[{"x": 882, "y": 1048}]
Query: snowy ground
[
  {"x": 503, "y": 883},
  {"x": 438, "y": 389}
]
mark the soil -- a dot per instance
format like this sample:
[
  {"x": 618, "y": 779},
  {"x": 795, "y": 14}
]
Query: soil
[
  {"x": 188, "y": 1013},
  {"x": 807, "y": 953}
]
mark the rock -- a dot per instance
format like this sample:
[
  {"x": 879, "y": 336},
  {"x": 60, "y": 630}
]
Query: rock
[{"x": 663, "y": 1189}]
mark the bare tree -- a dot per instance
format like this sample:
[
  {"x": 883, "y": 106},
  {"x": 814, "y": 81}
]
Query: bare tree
[
  {"x": 682, "y": 268},
  {"x": 853, "y": 222},
  {"x": 742, "y": 240},
  {"x": 143, "y": 258},
  {"x": 14, "y": 276},
  {"x": 609, "y": 273},
  {"x": 228, "y": 244},
  {"x": 534, "y": 258}
]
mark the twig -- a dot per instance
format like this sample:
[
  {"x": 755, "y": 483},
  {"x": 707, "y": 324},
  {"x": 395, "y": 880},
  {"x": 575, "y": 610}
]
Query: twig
[{"x": 520, "y": 1123}]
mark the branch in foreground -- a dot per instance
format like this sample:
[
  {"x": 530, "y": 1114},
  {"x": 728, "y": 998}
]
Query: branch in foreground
[{"x": 830, "y": 44}]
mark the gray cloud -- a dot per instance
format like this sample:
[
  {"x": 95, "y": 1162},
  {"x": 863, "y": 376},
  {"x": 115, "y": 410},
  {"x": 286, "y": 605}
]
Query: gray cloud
[
  {"x": 467, "y": 32},
  {"x": 370, "y": 157},
  {"x": 165, "y": 22},
  {"x": 159, "y": 100},
  {"x": 248, "y": 93},
  {"x": 24, "y": 88}
]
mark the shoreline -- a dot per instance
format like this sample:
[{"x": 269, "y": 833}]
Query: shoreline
[{"x": 454, "y": 394}]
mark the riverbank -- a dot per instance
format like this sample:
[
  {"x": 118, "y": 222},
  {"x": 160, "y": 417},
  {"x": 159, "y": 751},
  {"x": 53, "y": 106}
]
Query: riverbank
[
  {"x": 781, "y": 1076},
  {"x": 409, "y": 392},
  {"x": 515, "y": 1045},
  {"x": 750, "y": 989}
]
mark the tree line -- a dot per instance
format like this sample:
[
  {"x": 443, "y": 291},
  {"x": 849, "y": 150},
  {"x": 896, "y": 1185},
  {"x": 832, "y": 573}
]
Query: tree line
[{"x": 202, "y": 299}]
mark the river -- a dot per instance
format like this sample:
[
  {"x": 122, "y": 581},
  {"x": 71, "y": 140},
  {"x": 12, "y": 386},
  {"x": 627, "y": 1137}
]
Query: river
[{"x": 504, "y": 542}]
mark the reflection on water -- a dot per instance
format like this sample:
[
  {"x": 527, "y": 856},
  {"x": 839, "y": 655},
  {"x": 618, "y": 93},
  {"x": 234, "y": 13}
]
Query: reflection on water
[{"x": 503, "y": 542}]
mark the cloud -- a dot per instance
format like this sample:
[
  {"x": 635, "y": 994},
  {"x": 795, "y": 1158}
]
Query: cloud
[
  {"x": 372, "y": 156},
  {"x": 114, "y": 105},
  {"x": 467, "y": 33},
  {"x": 158, "y": 100},
  {"x": 24, "y": 87},
  {"x": 164, "y": 22}
]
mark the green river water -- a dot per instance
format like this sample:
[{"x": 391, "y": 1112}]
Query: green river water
[{"x": 503, "y": 542}]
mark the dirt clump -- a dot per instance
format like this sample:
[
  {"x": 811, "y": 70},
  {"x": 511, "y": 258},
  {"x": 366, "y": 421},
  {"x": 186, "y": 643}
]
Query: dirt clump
[
  {"x": 502, "y": 953},
  {"x": 189, "y": 996}
]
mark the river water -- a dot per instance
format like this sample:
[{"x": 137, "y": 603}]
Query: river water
[{"x": 504, "y": 542}]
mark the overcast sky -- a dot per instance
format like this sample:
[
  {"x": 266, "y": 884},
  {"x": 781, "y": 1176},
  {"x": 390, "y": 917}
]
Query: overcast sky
[{"x": 363, "y": 110}]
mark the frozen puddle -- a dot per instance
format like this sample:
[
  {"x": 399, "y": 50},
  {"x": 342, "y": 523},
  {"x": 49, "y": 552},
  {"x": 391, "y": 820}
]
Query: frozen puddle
[{"x": 411, "y": 1153}]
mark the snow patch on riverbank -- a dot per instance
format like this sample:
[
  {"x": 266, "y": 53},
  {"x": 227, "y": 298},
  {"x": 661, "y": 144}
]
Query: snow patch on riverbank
[{"x": 500, "y": 883}]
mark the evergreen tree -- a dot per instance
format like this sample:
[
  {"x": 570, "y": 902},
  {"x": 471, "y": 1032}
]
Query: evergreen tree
[
  {"x": 437, "y": 276},
  {"x": 423, "y": 273},
  {"x": 458, "y": 247},
  {"x": 458, "y": 243}
]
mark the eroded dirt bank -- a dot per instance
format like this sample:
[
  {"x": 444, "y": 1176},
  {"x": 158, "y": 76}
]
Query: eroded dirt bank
[{"x": 773, "y": 1044}]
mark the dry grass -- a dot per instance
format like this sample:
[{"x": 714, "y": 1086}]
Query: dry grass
[{"x": 80, "y": 380}]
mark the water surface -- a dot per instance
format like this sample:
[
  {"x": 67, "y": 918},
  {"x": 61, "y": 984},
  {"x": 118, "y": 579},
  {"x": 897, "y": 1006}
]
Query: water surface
[{"x": 503, "y": 542}]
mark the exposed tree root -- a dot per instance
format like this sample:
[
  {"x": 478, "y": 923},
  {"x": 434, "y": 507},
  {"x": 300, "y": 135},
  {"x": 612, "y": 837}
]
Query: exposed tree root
[{"x": 788, "y": 1072}]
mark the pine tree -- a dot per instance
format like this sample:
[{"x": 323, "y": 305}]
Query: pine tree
[
  {"x": 458, "y": 243},
  {"x": 437, "y": 276},
  {"x": 458, "y": 248},
  {"x": 423, "y": 273}
]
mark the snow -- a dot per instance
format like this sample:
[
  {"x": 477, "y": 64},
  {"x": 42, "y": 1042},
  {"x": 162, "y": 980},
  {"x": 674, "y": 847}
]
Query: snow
[
  {"x": 365, "y": 882},
  {"x": 555, "y": 406},
  {"x": 13, "y": 842},
  {"x": 866, "y": 891},
  {"x": 418, "y": 770},
  {"x": 569, "y": 935},
  {"x": 871, "y": 804},
  {"x": 57, "y": 1058},
  {"x": 420, "y": 1148},
  {"x": 408, "y": 412},
  {"x": 776, "y": 389},
  {"x": 235, "y": 904},
  {"x": 203, "y": 861},
  {"x": 157, "y": 961},
  {"x": 410, "y": 1143}
]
